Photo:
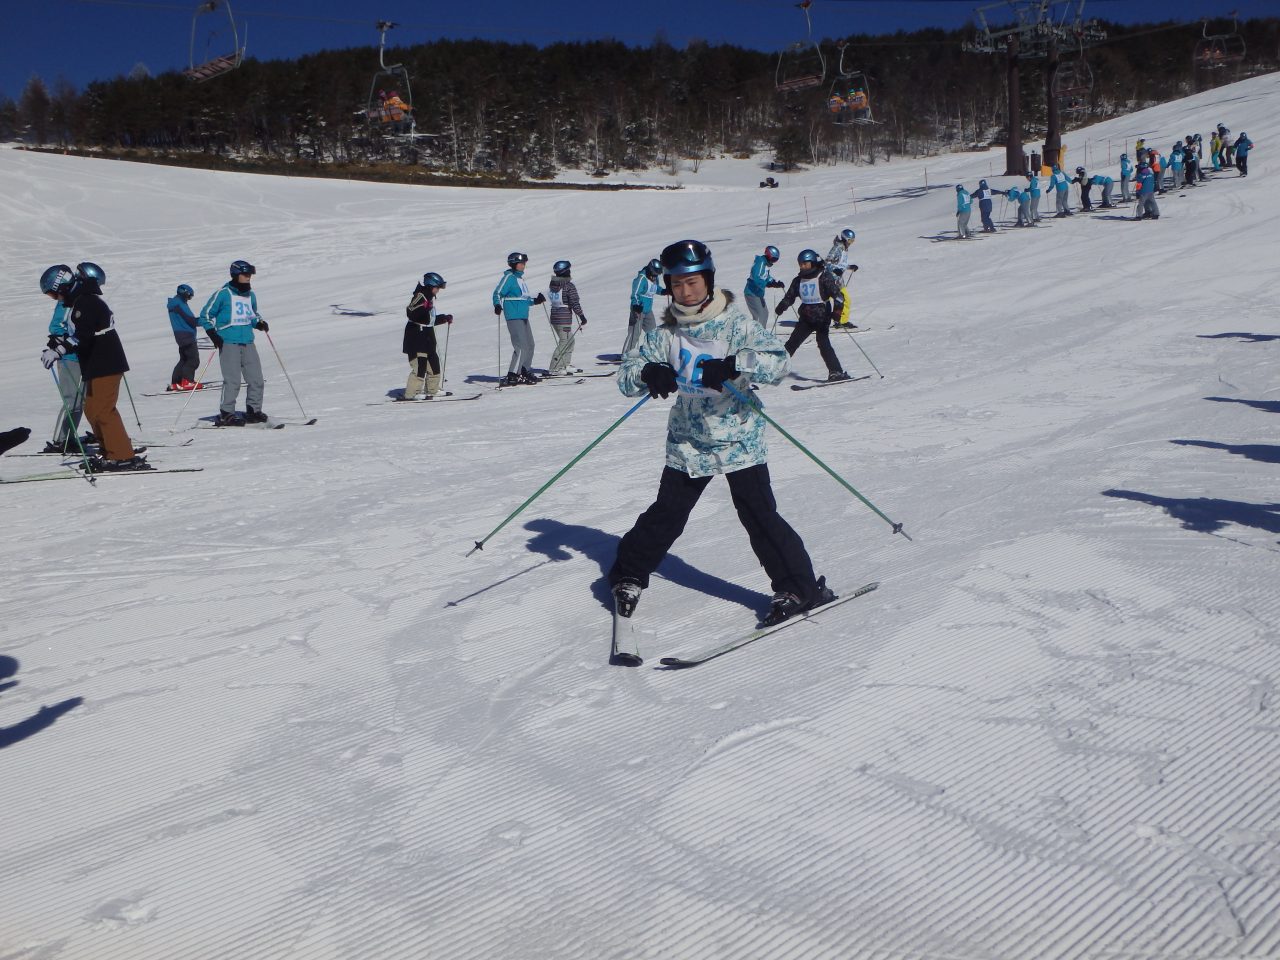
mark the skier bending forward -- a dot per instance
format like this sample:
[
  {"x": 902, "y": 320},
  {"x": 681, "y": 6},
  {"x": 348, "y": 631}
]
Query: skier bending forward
[{"x": 703, "y": 342}]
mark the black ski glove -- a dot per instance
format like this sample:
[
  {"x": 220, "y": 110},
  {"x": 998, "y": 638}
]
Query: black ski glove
[
  {"x": 540, "y": 298},
  {"x": 716, "y": 372},
  {"x": 261, "y": 325},
  {"x": 853, "y": 267},
  {"x": 444, "y": 318},
  {"x": 775, "y": 284},
  {"x": 497, "y": 310},
  {"x": 216, "y": 338},
  {"x": 634, "y": 316},
  {"x": 660, "y": 378}
]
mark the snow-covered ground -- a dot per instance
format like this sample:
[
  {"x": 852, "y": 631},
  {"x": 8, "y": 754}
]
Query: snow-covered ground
[{"x": 312, "y": 726}]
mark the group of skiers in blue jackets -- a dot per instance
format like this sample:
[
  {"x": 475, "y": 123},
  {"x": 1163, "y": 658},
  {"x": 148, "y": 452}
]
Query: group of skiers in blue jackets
[{"x": 1147, "y": 177}]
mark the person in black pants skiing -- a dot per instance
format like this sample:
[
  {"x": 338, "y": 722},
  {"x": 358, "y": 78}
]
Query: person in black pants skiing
[
  {"x": 814, "y": 286},
  {"x": 705, "y": 341},
  {"x": 419, "y": 343}
]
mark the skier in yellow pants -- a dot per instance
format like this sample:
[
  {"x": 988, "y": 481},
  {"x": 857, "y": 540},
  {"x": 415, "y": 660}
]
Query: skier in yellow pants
[{"x": 840, "y": 267}]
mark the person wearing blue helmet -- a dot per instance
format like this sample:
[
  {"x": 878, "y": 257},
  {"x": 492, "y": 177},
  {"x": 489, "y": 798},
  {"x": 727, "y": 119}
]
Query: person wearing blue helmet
[
  {"x": 1242, "y": 147},
  {"x": 964, "y": 209},
  {"x": 102, "y": 363},
  {"x": 511, "y": 299},
  {"x": 820, "y": 299},
  {"x": 1033, "y": 192},
  {"x": 760, "y": 279},
  {"x": 840, "y": 267},
  {"x": 705, "y": 343},
  {"x": 230, "y": 317},
  {"x": 1021, "y": 200},
  {"x": 640, "y": 318},
  {"x": 1060, "y": 186},
  {"x": 419, "y": 341},
  {"x": 70, "y": 386},
  {"x": 1126, "y": 177},
  {"x": 185, "y": 325},
  {"x": 984, "y": 195},
  {"x": 562, "y": 292},
  {"x": 1146, "y": 186}
]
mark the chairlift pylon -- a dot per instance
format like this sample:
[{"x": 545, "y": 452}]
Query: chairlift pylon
[
  {"x": 1214, "y": 51},
  {"x": 216, "y": 66},
  {"x": 390, "y": 93},
  {"x": 801, "y": 65}
]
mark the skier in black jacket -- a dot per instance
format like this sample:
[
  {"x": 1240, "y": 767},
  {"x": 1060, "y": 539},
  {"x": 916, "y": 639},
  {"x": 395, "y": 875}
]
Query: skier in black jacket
[
  {"x": 102, "y": 363},
  {"x": 420, "y": 339},
  {"x": 814, "y": 285}
]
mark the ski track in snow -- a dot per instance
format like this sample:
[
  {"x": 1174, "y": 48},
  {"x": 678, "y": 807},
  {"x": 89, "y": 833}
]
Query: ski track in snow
[{"x": 311, "y": 726}]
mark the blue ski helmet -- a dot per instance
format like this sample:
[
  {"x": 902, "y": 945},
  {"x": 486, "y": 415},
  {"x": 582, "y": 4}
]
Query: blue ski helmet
[
  {"x": 185, "y": 292},
  {"x": 653, "y": 268},
  {"x": 561, "y": 268},
  {"x": 772, "y": 253},
  {"x": 959, "y": 188},
  {"x": 57, "y": 278},
  {"x": 515, "y": 257},
  {"x": 982, "y": 184},
  {"x": 91, "y": 271},
  {"x": 242, "y": 266},
  {"x": 689, "y": 256},
  {"x": 433, "y": 279},
  {"x": 847, "y": 235},
  {"x": 809, "y": 258}
]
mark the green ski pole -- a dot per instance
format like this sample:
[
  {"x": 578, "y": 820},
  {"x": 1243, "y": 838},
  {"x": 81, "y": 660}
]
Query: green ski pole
[
  {"x": 897, "y": 527},
  {"x": 563, "y": 470},
  {"x": 75, "y": 431}
]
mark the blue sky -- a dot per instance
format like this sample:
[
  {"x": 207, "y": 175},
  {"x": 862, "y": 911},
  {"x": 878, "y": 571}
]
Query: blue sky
[{"x": 84, "y": 40}]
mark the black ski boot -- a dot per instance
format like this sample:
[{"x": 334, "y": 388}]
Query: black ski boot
[
  {"x": 526, "y": 376},
  {"x": 254, "y": 416},
  {"x": 229, "y": 420},
  {"x": 837, "y": 376},
  {"x": 626, "y": 594},
  {"x": 784, "y": 606},
  {"x": 512, "y": 380}
]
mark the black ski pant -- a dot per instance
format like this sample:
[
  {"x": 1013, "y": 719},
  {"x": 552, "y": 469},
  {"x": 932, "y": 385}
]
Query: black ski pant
[
  {"x": 776, "y": 545},
  {"x": 821, "y": 329},
  {"x": 188, "y": 362},
  {"x": 1242, "y": 164}
]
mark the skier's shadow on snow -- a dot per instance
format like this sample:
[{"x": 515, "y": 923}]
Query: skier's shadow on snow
[
  {"x": 559, "y": 541},
  {"x": 40, "y": 720},
  {"x": 1124, "y": 218},
  {"x": 1208, "y": 514},
  {"x": 1267, "y": 406},
  {"x": 1262, "y": 452},
  {"x": 1239, "y": 335}
]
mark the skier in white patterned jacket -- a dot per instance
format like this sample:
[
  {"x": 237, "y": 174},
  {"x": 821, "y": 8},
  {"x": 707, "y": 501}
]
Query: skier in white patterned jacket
[{"x": 705, "y": 341}]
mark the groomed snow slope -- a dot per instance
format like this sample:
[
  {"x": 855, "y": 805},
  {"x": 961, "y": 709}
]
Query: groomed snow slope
[{"x": 313, "y": 728}]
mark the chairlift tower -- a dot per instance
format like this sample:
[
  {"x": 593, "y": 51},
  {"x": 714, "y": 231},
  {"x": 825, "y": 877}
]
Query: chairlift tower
[{"x": 1037, "y": 32}]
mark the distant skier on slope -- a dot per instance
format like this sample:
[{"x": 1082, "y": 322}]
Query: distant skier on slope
[
  {"x": 419, "y": 341},
  {"x": 1242, "y": 147},
  {"x": 1126, "y": 177},
  {"x": 1033, "y": 187},
  {"x": 964, "y": 209},
  {"x": 838, "y": 263},
  {"x": 1060, "y": 187},
  {"x": 815, "y": 286},
  {"x": 511, "y": 298},
  {"x": 565, "y": 305},
  {"x": 1147, "y": 208},
  {"x": 229, "y": 317},
  {"x": 760, "y": 279},
  {"x": 983, "y": 195},
  {"x": 184, "y": 325},
  {"x": 640, "y": 319},
  {"x": 704, "y": 342}
]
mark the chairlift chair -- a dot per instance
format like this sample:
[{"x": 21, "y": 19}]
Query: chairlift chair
[
  {"x": 1072, "y": 85},
  {"x": 850, "y": 99},
  {"x": 1214, "y": 51},
  {"x": 801, "y": 66},
  {"x": 390, "y": 102},
  {"x": 223, "y": 63}
]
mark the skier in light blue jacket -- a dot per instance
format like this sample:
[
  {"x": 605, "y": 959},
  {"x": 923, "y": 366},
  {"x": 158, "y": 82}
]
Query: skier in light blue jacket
[
  {"x": 1021, "y": 200},
  {"x": 1126, "y": 177},
  {"x": 70, "y": 385},
  {"x": 759, "y": 280},
  {"x": 1033, "y": 187},
  {"x": 705, "y": 344},
  {"x": 511, "y": 298},
  {"x": 229, "y": 317},
  {"x": 1060, "y": 186},
  {"x": 964, "y": 207},
  {"x": 640, "y": 319}
]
